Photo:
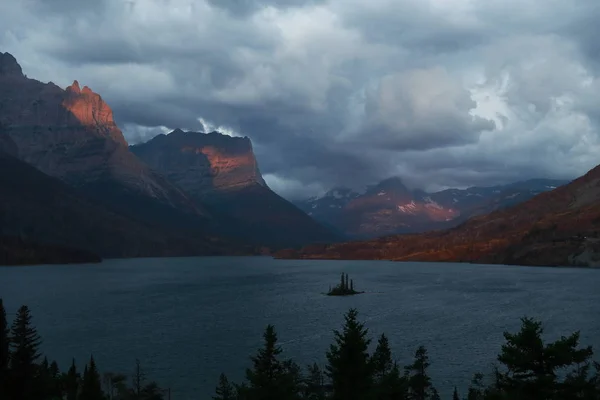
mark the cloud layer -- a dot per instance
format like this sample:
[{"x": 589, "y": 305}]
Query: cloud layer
[{"x": 339, "y": 92}]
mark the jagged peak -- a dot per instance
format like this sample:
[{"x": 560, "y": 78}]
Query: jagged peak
[
  {"x": 9, "y": 65},
  {"x": 74, "y": 87}
]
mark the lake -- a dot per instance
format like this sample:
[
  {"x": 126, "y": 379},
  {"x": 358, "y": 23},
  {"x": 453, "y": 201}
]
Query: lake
[{"x": 189, "y": 319}]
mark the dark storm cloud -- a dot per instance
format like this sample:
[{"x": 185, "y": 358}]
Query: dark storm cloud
[{"x": 339, "y": 92}]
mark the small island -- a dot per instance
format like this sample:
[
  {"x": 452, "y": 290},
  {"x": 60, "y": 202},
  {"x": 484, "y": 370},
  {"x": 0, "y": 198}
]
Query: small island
[{"x": 343, "y": 289}]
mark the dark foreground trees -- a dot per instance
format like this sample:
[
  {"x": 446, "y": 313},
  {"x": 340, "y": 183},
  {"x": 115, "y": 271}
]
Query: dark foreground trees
[
  {"x": 527, "y": 369},
  {"x": 25, "y": 375}
]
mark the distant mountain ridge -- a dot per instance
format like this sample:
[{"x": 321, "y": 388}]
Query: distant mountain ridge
[
  {"x": 560, "y": 227},
  {"x": 389, "y": 207}
]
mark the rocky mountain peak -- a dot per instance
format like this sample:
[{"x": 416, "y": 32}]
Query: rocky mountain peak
[
  {"x": 90, "y": 110},
  {"x": 74, "y": 88},
  {"x": 9, "y": 65},
  {"x": 202, "y": 163}
]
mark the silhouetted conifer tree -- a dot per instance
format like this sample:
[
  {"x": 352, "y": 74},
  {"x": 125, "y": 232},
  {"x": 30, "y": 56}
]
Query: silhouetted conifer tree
[
  {"x": 43, "y": 381},
  {"x": 476, "y": 389},
  {"x": 346, "y": 283},
  {"x": 388, "y": 384},
  {"x": 71, "y": 382},
  {"x": 270, "y": 379},
  {"x": 531, "y": 368},
  {"x": 91, "y": 388},
  {"x": 419, "y": 383},
  {"x": 24, "y": 344},
  {"x": 349, "y": 366},
  {"x": 351, "y": 284},
  {"x": 314, "y": 388},
  {"x": 4, "y": 352},
  {"x": 382, "y": 359},
  {"x": 224, "y": 390},
  {"x": 455, "y": 394}
]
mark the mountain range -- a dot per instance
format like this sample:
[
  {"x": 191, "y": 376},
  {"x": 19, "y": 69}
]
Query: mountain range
[
  {"x": 73, "y": 189},
  {"x": 560, "y": 227},
  {"x": 389, "y": 207},
  {"x": 69, "y": 178}
]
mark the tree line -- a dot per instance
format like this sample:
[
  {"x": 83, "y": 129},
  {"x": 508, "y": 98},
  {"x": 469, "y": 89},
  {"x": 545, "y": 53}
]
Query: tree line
[
  {"x": 527, "y": 369},
  {"x": 26, "y": 375}
]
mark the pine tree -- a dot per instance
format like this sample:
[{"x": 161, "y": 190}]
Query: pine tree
[
  {"x": 476, "y": 389},
  {"x": 4, "y": 352},
  {"x": 224, "y": 390},
  {"x": 270, "y": 379},
  {"x": 531, "y": 367},
  {"x": 349, "y": 366},
  {"x": 71, "y": 382},
  {"x": 435, "y": 395},
  {"x": 91, "y": 387},
  {"x": 342, "y": 283},
  {"x": 24, "y": 344},
  {"x": 352, "y": 285},
  {"x": 382, "y": 359},
  {"x": 314, "y": 388},
  {"x": 455, "y": 394},
  {"x": 388, "y": 384},
  {"x": 419, "y": 382},
  {"x": 346, "y": 284},
  {"x": 43, "y": 381},
  {"x": 56, "y": 388}
]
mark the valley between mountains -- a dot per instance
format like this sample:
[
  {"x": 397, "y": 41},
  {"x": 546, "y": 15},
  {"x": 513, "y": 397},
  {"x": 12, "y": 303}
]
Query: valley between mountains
[{"x": 73, "y": 190}]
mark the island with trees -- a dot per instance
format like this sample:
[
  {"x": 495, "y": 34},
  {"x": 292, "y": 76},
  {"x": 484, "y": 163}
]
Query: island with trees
[{"x": 345, "y": 288}]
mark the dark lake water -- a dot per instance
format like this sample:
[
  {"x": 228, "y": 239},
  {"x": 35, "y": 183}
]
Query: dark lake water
[{"x": 188, "y": 319}]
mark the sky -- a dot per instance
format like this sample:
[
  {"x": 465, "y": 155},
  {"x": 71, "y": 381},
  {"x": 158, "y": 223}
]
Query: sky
[{"x": 443, "y": 93}]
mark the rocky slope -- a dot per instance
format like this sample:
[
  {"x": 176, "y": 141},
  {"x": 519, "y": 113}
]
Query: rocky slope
[
  {"x": 71, "y": 135},
  {"x": 221, "y": 172},
  {"x": 389, "y": 207},
  {"x": 559, "y": 227},
  {"x": 42, "y": 210}
]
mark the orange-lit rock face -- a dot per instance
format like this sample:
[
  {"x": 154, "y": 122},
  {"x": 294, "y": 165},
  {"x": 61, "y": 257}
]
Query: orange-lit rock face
[
  {"x": 229, "y": 169},
  {"x": 90, "y": 110}
]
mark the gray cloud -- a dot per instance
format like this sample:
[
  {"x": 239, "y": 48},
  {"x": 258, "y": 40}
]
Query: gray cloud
[{"x": 339, "y": 92}]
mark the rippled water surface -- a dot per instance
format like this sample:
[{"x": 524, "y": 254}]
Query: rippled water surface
[{"x": 188, "y": 319}]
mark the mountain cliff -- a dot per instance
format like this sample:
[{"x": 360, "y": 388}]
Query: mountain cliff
[
  {"x": 389, "y": 207},
  {"x": 71, "y": 135},
  {"x": 558, "y": 227},
  {"x": 222, "y": 172}
]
